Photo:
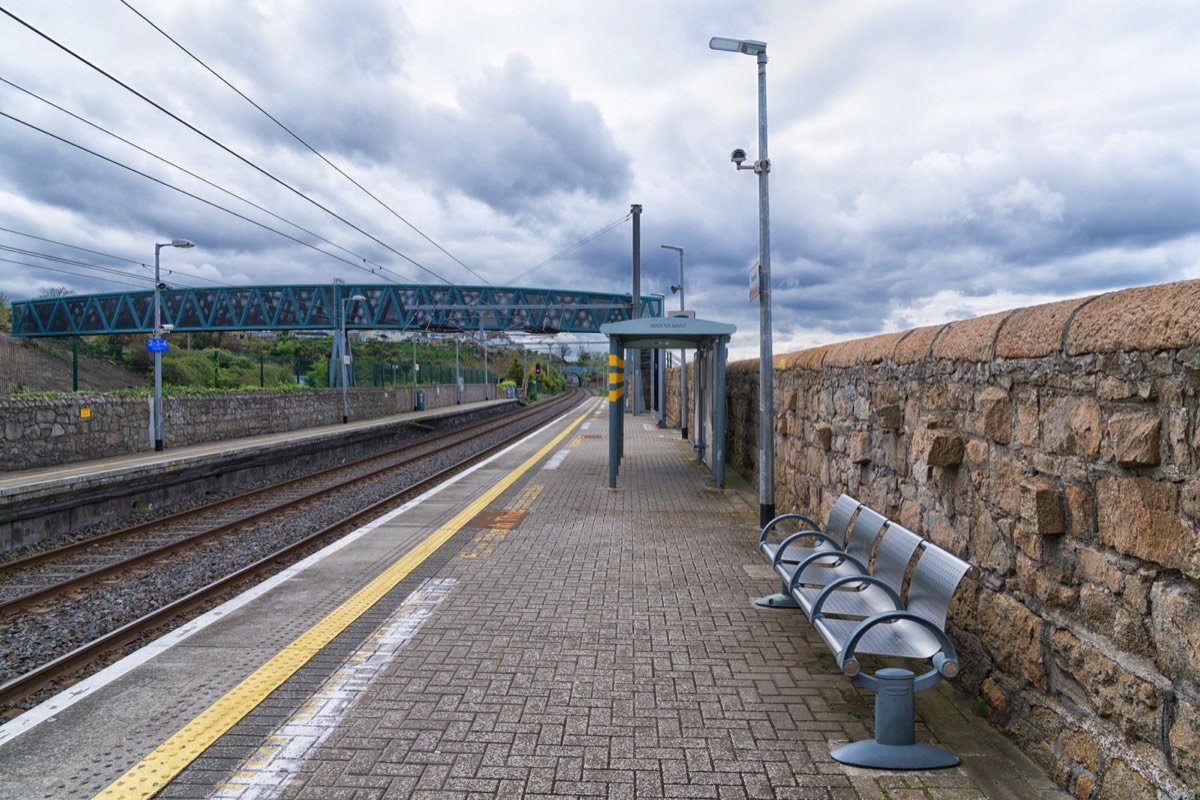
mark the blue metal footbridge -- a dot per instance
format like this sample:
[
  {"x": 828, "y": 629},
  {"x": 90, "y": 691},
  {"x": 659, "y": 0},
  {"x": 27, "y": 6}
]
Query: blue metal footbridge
[{"x": 424, "y": 307}]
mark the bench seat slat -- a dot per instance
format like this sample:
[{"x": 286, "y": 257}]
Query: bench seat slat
[
  {"x": 819, "y": 572},
  {"x": 796, "y": 552},
  {"x": 857, "y": 600},
  {"x": 889, "y": 567},
  {"x": 902, "y": 639}
]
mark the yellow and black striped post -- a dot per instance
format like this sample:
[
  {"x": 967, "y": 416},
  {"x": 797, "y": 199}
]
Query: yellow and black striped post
[
  {"x": 616, "y": 410},
  {"x": 616, "y": 378}
]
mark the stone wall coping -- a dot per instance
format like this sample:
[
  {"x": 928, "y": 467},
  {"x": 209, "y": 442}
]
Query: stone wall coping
[{"x": 1143, "y": 319}]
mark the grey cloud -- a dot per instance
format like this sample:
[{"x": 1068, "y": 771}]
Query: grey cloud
[{"x": 518, "y": 142}]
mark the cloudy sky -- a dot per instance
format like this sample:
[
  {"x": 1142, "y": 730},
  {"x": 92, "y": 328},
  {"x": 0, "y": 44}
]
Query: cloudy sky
[{"x": 931, "y": 160}]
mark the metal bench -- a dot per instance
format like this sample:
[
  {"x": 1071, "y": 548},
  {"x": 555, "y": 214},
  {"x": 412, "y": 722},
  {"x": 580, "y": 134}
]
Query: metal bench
[
  {"x": 820, "y": 554},
  {"x": 863, "y": 606},
  {"x": 852, "y": 589}
]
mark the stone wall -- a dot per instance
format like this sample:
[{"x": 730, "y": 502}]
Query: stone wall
[
  {"x": 1055, "y": 448},
  {"x": 43, "y": 431}
]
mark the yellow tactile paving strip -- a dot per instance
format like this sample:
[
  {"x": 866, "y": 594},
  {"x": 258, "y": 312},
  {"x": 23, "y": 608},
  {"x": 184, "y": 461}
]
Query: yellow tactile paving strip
[{"x": 167, "y": 760}]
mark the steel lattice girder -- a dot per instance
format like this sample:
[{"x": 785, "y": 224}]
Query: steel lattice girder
[{"x": 295, "y": 308}]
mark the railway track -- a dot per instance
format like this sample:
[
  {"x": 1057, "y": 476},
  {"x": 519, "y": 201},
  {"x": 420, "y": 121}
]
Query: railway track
[{"x": 63, "y": 612}]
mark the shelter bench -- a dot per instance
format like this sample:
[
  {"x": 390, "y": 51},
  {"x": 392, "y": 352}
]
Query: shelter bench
[{"x": 868, "y": 597}]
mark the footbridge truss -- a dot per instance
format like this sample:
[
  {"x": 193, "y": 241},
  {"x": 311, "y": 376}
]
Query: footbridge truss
[{"x": 299, "y": 308}]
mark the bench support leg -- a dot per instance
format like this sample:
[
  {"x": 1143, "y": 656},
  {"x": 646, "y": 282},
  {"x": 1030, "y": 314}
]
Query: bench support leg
[
  {"x": 894, "y": 745},
  {"x": 781, "y": 599}
]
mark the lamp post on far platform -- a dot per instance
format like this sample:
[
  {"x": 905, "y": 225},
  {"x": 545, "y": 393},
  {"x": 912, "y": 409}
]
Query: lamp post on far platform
[
  {"x": 766, "y": 377},
  {"x": 159, "y": 344},
  {"x": 358, "y": 298},
  {"x": 683, "y": 398}
]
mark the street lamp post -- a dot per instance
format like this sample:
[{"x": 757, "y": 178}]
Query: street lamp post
[
  {"x": 766, "y": 377},
  {"x": 683, "y": 397},
  {"x": 158, "y": 332},
  {"x": 483, "y": 341},
  {"x": 358, "y": 298}
]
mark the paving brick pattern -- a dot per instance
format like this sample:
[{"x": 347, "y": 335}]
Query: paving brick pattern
[{"x": 604, "y": 645}]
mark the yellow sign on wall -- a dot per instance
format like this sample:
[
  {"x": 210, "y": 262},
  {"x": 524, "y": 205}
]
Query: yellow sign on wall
[{"x": 85, "y": 413}]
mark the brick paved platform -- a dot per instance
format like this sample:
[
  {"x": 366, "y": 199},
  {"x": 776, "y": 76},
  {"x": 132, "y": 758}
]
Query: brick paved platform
[
  {"x": 603, "y": 643},
  {"x": 578, "y": 641}
]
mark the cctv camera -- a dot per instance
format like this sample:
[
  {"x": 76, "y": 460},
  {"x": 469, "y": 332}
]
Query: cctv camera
[
  {"x": 168, "y": 328},
  {"x": 738, "y": 156}
]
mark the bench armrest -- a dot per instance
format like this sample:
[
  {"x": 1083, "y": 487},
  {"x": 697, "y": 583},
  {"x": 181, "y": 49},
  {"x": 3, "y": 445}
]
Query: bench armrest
[
  {"x": 945, "y": 662},
  {"x": 833, "y": 586},
  {"x": 771, "y": 525}
]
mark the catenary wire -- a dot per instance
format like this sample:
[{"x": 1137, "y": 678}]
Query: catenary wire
[
  {"x": 97, "y": 268},
  {"x": 186, "y": 171},
  {"x": 571, "y": 249},
  {"x": 62, "y": 271},
  {"x": 297, "y": 137},
  {"x": 183, "y": 191},
  {"x": 142, "y": 264},
  {"x": 219, "y": 144},
  {"x": 73, "y": 247}
]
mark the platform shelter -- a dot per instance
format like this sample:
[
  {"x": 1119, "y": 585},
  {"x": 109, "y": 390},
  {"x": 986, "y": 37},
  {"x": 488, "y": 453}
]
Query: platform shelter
[{"x": 711, "y": 340}]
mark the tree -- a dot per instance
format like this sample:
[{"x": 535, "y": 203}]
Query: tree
[
  {"x": 5, "y": 313},
  {"x": 515, "y": 373},
  {"x": 55, "y": 291}
]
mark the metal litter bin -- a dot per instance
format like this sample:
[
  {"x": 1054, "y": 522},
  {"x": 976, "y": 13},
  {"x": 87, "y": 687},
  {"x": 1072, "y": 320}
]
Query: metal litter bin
[{"x": 420, "y": 399}]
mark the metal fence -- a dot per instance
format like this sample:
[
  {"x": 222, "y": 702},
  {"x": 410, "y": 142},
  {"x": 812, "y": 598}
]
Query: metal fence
[{"x": 36, "y": 365}]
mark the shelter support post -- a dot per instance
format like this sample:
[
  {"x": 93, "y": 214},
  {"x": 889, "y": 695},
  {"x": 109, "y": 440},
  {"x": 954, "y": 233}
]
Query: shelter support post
[{"x": 719, "y": 415}]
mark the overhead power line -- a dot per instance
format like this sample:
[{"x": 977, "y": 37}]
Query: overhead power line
[
  {"x": 60, "y": 260},
  {"x": 183, "y": 191},
  {"x": 63, "y": 271},
  {"x": 297, "y": 137},
  {"x": 64, "y": 244},
  {"x": 143, "y": 265},
  {"x": 571, "y": 249},
  {"x": 184, "y": 170},
  {"x": 214, "y": 141}
]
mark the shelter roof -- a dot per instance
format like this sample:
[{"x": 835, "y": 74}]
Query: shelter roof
[{"x": 669, "y": 333}]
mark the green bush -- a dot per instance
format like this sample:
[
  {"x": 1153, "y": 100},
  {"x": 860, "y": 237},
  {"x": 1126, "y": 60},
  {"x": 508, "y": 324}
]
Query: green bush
[{"x": 222, "y": 369}]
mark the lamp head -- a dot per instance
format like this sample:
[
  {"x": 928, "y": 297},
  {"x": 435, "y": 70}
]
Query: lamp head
[
  {"x": 358, "y": 298},
  {"x": 750, "y": 47},
  {"x": 181, "y": 243}
]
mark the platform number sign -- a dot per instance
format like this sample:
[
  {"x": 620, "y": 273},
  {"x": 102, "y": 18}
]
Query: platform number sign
[{"x": 156, "y": 345}]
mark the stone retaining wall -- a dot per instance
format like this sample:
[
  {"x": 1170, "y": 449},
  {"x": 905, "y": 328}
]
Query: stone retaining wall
[
  {"x": 40, "y": 431},
  {"x": 1055, "y": 448}
]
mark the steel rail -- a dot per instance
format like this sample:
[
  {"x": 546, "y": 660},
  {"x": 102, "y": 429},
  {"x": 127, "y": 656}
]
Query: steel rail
[
  {"x": 38, "y": 678},
  {"x": 429, "y": 446},
  {"x": 35, "y": 559}
]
